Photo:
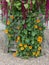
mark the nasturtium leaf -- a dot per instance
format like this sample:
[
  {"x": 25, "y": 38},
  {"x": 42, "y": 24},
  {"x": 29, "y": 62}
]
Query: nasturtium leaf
[
  {"x": 27, "y": 40},
  {"x": 26, "y": 6},
  {"x": 33, "y": 33}
]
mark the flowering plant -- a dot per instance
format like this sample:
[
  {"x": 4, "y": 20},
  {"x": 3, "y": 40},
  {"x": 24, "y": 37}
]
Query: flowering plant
[{"x": 26, "y": 29}]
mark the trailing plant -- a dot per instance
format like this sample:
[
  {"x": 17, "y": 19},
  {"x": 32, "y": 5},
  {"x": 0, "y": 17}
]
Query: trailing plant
[{"x": 26, "y": 28}]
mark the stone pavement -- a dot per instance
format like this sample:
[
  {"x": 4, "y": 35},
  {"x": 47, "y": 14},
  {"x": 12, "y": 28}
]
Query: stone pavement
[{"x": 7, "y": 59}]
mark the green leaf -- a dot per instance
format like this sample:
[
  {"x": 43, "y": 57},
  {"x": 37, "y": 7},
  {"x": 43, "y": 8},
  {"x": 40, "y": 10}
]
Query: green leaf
[
  {"x": 25, "y": 31},
  {"x": 26, "y": 6},
  {"x": 23, "y": 22},
  {"x": 28, "y": 24},
  {"x": 32, "y": 42},
  {"x": 21, "y": 54},
  {"x": 33, "y": 1},
  {"x": 33, "y": 33},
  {"x": 27, "y": 40}
]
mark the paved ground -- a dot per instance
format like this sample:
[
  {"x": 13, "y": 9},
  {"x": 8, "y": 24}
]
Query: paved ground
[{"x": 7, "y": 59}]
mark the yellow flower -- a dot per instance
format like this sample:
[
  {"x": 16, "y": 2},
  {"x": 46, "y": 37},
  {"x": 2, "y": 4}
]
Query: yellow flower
[
  {"x": 25, "y": 45},
  {"x": 12, "y": 17},
  {"x": 40, "y": 28},
  {"x": 14, "y": 54},
  {"x": 16, "y": 51},
  {"x": 38, "y": 52},
  {"x": 9, "y": 35},
  {"x": 39, "y": 48},
  {"x": 35, "y": 26},
  {"x": 34, "y": 53},
  {"x": 30, "y": 47},
  {"x": 22, "y": 48},
  {"x": 39, "y": 39},
  {"x": 18, "y": 38},
  {"x": 20, "y": 44},
  {"x": 6, "y": 31},
  {"x": 38, "y": 20},
  {"x": 18, "y": 27},
  {"x": 16, "y": 41},
  {"x": 8, "y": 22}
]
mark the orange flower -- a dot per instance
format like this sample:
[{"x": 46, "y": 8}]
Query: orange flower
[
  {"x": 40, "y": 28},
  {"x": 38, "y": 20},
  {"x": 12, "y": 17},
  {"x": 8, "y": 22},
  {"x": 22, "y": 48},
  {"x": 16, "y": 41},
  {"x": 30, "y": 47},
  {"x": 39, "y": 39},
  {"x": 25, "y": 45},
  {"x": 35, "y": 26},
  {"x": 14, "y": 54},
  {"x": 20, "y": 44},
  {"x": 39, "y": 48},
  {"x": 6, "y": 31}
]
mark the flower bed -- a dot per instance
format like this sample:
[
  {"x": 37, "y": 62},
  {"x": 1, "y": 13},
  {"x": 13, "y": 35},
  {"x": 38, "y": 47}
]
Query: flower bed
[{"x": 27, "y": 30}]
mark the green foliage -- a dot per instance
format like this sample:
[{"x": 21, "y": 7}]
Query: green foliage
[{"x": 28, "y": 34}]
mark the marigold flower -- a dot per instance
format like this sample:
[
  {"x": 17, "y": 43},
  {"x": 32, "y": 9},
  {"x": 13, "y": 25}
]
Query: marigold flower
[
  {"x": 16, "y": 41},
  {"x": 12, "y": 17},
  {"x": 6, "y": 31},
  {"x": 16, "y": 51},
  {"x": 40, "y": 28},
  {"x": 14, "y": 54},
  {"x": 39, "y": 39},
  {"x": 35, "y": 26},
  {"x": 9, "y": 35},
  {"x": 37, "y": 53},
  {"x": 38, "y": 20},
  {"x": 33, "y": 53},
  {"x": 25, "y": 45},
  {"x": 20, "y": 44},
  {"x": 22, "y": 48},
  {"x": 30, "y": 47},
  {"x": 18, "y": 27},
  {"x": 39, "y": 48},
  {"x": 8, "y": 22},
  {"x": 18, "y": 38}
]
